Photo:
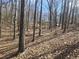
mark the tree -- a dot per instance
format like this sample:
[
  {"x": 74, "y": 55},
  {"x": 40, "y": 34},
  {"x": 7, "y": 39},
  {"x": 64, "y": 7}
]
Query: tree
[
  {"x": 21, "y": 35},
  {"x": 11, "y": 9},
  {"x": 55, "y": 14},
  {"x": 69, "y": 16},
  {"x": 11, "y": 13},
  {"x": 0, "y": 16},
  {"x": 73, "y": 12},
  {"x": 34, "y": 21},
  {"x": 66, "y": 16},
  {"x": 40, "y": 19},
  {"x": 14, "y": 20},
  {"x": 28, "y": 15},
  {"x": 63, "y": 16},
  {"x": 18, "y": 20},
  {"x": 60, "y": 20},
  {"x": 50, "y": 12}
]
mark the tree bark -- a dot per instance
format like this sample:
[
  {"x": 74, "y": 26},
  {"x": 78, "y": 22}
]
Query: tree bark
[
  {"x": 40, "y": 19},
  {"x": 14, "y": 20},
  {"x": 34, "y": 22},
  {"x": 21, "y": 35},
  {"x": 28, "y": 16},
  {"x": 0, "y": 16}
]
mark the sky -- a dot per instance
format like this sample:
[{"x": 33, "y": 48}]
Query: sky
[
  {"x": 45, "y": 6},
  {"x": 5, "y": 0}
]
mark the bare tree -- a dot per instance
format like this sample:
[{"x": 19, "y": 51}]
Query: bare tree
[
  {"x": 14, "y": 20},
  {"x": 11, "y": 13},
  {"x": 60, "y": 20},
  {"x": 63, "y": 16},
  {"x": 70, "y": 12},
  {"x": 0, "y": 16},
  {"x": 18, "y": 20},
  {"x": 34, "y": 22},
  {"x": 28, "y": 15},
  {"x": 73, "y": 11},
  {"x": 40, "y": 18},
  {"x": 50, "y": 2},
  {"x": 66, "y": 16},
  {"x": 21, "y": 35},
  {"x": 55, "y": 14}
]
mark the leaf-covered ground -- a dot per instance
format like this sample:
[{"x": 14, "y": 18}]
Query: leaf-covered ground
[
  {"x": 51, "y": 45},
  {"x": 64, "y": 46}
]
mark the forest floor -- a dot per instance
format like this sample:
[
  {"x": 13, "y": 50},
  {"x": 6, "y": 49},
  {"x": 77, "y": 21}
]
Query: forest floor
[{"x": 51, "y": 45}]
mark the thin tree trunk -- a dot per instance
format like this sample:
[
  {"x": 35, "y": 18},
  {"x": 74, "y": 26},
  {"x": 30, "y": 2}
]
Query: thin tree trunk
[
  {"x": 28, "y": 16},
  {"x": 69, "y": 17},
  {"x": 34, "y": 22},
  {"x": 18, "y": 21},
  {"x": 66, "y": 16},
  {"x": 14, "y": 20},
  {"x": 50, "y": 2},
  {"x": 11, "y": 13},
  {"x": 50, "y": 21},
  {"x": 40, "y": 19},
  {"x": 73, "y": 11},
  {"x": 60, "y": 20},
  {"x": 63, "y": 15},
  {"x": 0, "y": 16}
]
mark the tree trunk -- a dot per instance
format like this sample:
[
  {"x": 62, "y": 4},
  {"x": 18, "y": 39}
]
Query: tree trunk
[
  {"x": 63, "y": 16},
  {"x": 0, "y": 16},
  {"x": 69, "y": 17},
  {"x": 21, "y": 35},
  {"x": 28, "y": 16},
  {"x": 34, "y": 22},
  {"x": 66, "y": 16},
  {"x": 14, "y": 20},
  {"x": 40, "y": 19},
  {"x": 18, "y": 20}
]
